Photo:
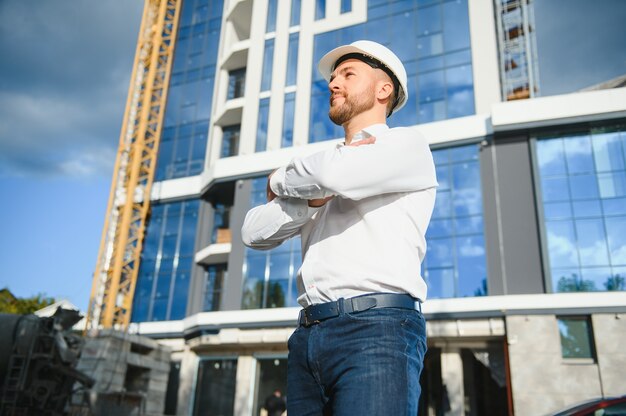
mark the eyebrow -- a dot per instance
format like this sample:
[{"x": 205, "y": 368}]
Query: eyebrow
[{"x": 341, "y": 71}]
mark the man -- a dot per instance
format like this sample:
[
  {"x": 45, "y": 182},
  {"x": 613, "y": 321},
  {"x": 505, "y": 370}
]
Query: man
[
  {"x": 275, "y": 404},
  {"x": 362, "y": 210}
]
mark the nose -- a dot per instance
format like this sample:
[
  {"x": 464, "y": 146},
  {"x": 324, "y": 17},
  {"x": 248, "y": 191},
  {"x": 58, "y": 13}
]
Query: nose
[{"x": 333, "y": 85}]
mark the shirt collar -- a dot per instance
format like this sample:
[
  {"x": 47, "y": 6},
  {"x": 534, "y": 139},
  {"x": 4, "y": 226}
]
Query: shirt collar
[
  {"x": 369, "y": 131},
  {"x": 375, "y": 129}
]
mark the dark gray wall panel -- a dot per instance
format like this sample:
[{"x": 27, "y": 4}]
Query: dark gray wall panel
[{"x": 514, "y": 258}]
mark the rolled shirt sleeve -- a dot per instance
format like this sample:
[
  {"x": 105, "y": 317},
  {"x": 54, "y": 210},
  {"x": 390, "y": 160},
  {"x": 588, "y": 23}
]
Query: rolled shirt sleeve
[
  {"x": 267, "y": 226},
  {"x": 399, "y": 161}
]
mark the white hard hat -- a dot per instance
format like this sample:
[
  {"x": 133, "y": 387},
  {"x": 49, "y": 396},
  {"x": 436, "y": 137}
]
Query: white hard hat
[{"x": 373, "y": 54}]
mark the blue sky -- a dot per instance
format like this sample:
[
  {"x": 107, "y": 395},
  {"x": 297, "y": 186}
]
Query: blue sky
[{"x": 64, "y": 77}]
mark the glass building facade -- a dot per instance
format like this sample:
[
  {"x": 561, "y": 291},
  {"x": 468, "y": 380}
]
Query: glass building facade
[
  {"x": 431, "y": 38},
  {"x": 183, "y": 144},
  {"x": 535, "y": 209},
  {"x": 455, "y": 263},
  {"x": 582, "y": 178},
  {"x": 166, "y": 262},
  {"x": 270, "y": 276}
]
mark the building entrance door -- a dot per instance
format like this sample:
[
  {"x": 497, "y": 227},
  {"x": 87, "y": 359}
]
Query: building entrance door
[{"x": 468, "y": 380}]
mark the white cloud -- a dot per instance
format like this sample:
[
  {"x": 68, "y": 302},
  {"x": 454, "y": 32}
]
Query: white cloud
[{"x": 63, "y": 92}]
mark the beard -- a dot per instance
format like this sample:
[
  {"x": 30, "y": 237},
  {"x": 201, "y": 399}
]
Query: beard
[{"x": 352, "y": 106}]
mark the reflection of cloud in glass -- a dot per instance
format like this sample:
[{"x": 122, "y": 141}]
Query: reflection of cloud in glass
[
  {"x": 594, "y": 255},
  {"x": 461, "y": 102},
  {"x": 467, "y": 249},
  {"x": 619, "y": 256},
  {"x": 467, "y": 201},
  {"x": 562, "y": 250},
  {"x": 551, "y": 151}
]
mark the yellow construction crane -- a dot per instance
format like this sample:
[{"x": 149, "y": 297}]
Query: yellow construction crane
[{"x": 115, "y": 277}]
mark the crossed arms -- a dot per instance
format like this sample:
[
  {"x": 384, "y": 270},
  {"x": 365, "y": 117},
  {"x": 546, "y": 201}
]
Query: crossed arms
[{"x": 399, "y": 161}]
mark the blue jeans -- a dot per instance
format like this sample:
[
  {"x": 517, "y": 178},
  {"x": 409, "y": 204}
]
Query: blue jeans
[{"x": 366, "y": 363}]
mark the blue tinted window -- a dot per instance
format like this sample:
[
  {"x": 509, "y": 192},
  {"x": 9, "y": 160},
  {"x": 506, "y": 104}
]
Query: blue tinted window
[
  {"x": 320, "y": 9},
  {"x": 272, "y": 8},
  {"x": 288, "y": 117},
  {"x": 583, "y": 182},
  {"x": 589, "y": 63},
  {"x": 455, "y": 263},
  {"x": 221, "y": 224},
  {"x": 261, "y": 135},
  {"x": 189, "y": 97},
  {"x": 431, "y": 38},
  {"x": 292, "y": 59},
  {"x": 166, "y": 262},
  {"x": 576, "y": 337},
  {"x": 295, "y": 12},
  {"x": 268, "y": 59},
  {"x": 346, "y": 6},
  {"x": 236, "y": 83},
  {"x": 270, "y": 276},
  {"x": 214, "y": 278},
  {"x": 230, "y": 141}
]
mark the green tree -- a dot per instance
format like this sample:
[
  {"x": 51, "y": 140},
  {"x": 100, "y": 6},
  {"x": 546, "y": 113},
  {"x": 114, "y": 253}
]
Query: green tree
[
  {"x": 615, "y": 283},
  {"x": 482, "y": 290},
  {"x": 575, "y": 284},
  {"x": 22, "y": 306}
]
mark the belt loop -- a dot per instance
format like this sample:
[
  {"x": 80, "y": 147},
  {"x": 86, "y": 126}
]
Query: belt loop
[{"x": 340, "y": 305}]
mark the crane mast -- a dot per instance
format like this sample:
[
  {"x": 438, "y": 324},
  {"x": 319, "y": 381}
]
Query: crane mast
[{"x": 118, "y": 260}]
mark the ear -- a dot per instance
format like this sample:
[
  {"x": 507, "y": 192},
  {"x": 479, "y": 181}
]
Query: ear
[{"x": 384, "y": 89}]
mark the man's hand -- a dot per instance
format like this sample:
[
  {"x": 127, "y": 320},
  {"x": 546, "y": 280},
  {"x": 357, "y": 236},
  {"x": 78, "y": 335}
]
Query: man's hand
[
  {"x": 316, "y": 203},
  {"x": 268, "y": 191}
]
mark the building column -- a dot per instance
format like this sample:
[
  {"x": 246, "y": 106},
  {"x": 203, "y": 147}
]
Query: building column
[
  {"x": 188, "y": 371},
  {"x": 244, "y": 391},
  {"x": 452, "y": 379}
]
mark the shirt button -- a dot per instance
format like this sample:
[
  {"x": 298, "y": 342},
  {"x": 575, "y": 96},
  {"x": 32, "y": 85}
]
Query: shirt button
[{"x": 299, "y": 213}]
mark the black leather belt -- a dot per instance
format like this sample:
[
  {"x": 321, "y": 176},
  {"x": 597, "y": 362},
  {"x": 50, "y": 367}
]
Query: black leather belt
[{"x": 315, "y": 314}]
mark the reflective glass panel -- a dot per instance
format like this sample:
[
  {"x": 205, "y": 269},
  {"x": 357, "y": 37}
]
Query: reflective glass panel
[
  {"x": 292, "y": 59},
  {"x": 214, "y": 277},
  {"x": 272, "y": 376},
  {"x": 261, "y": 135},
  {"x": 576, "y": 337},
  {"x": 189, "y": 97},
  {"x": 583, "y": 180},
  {"x": 295, "y": 12},
  {"x": 166, "y": 264},
  {"x": 272, "y": 9},
  {"x": 288, "y": 117},
  {"x": 236, "y": 83},
  {"x": 270, "y": 275},
  {"x": 215, "y": 387},
  {"x": 320, "y": 9},
  {"x": 268, "y": 62},
  {"x": 455, "y": 263},
  {"x": 432, "y": 36},
  {"x": 230, "y": 141}
]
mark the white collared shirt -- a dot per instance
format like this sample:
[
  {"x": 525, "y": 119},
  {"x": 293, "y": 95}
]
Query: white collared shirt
[{"x": 370, "y": 236}]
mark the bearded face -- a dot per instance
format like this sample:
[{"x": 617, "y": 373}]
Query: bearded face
[{"x": 349, "y": 105}]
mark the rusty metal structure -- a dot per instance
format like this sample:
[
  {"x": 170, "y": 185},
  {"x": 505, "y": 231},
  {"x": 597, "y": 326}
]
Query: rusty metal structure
[
  {"x": 118, "y": 261},
  {"x": 519, "y": 69}
]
